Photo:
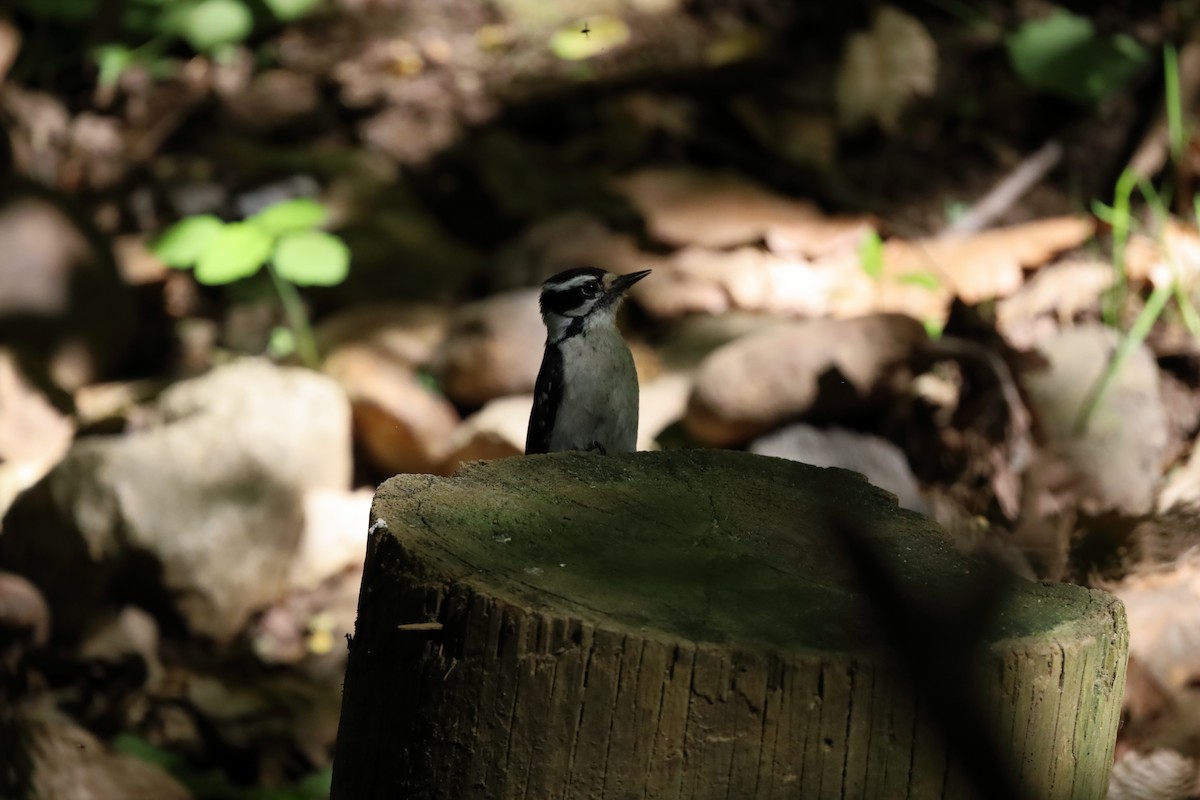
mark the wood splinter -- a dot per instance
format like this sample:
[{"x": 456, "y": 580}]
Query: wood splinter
[{"x": 408, "y": 627}]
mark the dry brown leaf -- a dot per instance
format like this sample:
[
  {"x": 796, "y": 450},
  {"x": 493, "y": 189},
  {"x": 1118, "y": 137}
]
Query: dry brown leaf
[
  {"x": 812, "y": 265},
  {"x": 686, "y": 207},
  {"x": 755, "y": 383},
  {"x": 1163, "y": 607},
  {"x": 1175, "y": 253},
  {"x": 34, "y": 434},
  {"x": 919, "y": 277},
  {"x": 699, "y": 280},
  {"x": 988, "y": 264},
  {"x": 855, "y": 293},
  {"x": 1055, "y": 295},
  {"x": 1063, "y": 289},
  {"x": 884, "y": 68}
]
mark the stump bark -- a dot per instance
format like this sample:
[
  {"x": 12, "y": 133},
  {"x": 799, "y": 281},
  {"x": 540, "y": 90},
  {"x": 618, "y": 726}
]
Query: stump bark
[{"x": 687, "y": 625}]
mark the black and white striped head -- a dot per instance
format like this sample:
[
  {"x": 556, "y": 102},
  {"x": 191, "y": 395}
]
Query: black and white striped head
[{"x": 575, "y": 298}]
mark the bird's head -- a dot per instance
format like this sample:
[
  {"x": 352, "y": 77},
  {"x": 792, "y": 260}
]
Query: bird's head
[{"x": 576, "y": 298}]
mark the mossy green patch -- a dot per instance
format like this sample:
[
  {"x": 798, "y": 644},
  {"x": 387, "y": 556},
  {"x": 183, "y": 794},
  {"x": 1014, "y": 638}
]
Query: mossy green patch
[{"x": 713, "y": 546}]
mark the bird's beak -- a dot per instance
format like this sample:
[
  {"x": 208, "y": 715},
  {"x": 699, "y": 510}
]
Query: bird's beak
[{"x": 623, "y": 282}]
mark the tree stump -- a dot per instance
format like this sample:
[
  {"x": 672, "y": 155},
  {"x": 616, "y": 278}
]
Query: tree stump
[{"x": 697, "y": 625}]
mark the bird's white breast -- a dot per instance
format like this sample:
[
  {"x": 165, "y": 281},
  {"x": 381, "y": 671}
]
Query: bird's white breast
[{"x": 600, "y": 402}]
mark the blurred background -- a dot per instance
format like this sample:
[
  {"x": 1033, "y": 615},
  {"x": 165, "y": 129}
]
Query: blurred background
[{"x": 257, "y": 256}]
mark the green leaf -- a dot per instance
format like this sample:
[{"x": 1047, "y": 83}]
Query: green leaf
[
  {"x": 212, "y": 23},
  {"x": 1105, "y": 213},
  {"x": 236, "y": 253},
  {"x": 925, "y": 280},
  {"x": 429, "y": 381},
  {"x": 312, "y": 258},
  {"x": 170, "y": 20},
  {"x": 589, "y": 37},
  {"x": 111, "y": 61},
  {"x": 1175, "y": 134},
  {"x": 1062, "y": 54},
  {"x": 182, "y": 244},
  {"x": 870, "y": 255},
  {"x": 316, "y": 785},
  {"x": 291, "y": 215},
  {"x": 288, "y": 10},
  {"x": 146, "y": 752}
]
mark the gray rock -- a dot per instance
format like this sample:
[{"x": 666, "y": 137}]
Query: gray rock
[
  {"x": 661, "y": 403},
  {"x": 205, "y": 504},
  {"x": 883, "y": 464},
  {"x": 828, "y": 366},
  {"x": 495, "y": 431},
  {"x": 690, "y": 340},
  {"x": 333, "y": 540},
  {"x": 400, "y": 423},
  {"x": 1118, "y": 460}
]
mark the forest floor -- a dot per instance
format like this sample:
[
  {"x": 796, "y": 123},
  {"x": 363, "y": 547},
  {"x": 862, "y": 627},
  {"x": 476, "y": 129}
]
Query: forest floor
[{"x": 956, "y": 252}]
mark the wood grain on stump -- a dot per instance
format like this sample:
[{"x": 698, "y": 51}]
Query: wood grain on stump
[{"x": 685, "y": 625}]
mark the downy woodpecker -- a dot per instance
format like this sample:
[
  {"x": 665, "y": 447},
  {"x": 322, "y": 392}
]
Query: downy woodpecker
[{"x": 586, "y": 395}]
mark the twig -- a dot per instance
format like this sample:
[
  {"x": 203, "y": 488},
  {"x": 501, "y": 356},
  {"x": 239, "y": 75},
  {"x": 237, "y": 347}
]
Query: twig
[{"x": 1008, "y": 191}]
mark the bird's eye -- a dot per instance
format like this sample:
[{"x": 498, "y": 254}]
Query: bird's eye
[{"x": 591, "y": 289}]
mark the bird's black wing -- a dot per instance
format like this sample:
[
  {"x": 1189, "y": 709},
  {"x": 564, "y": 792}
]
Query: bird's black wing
[{"x": 547, "y": 395}]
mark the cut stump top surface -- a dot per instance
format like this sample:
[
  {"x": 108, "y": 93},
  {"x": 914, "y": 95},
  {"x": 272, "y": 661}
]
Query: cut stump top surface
[{"x": 705, "y": 545}]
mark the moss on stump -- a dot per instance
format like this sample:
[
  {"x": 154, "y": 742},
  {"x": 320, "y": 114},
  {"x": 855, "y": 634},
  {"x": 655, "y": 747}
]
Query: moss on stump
[{"x": 685, "y": 625}]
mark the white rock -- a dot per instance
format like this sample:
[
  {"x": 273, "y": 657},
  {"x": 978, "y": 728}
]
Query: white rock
[
  {"x": 882, "y": 462},
  {"x": 206, "y": 503}
]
